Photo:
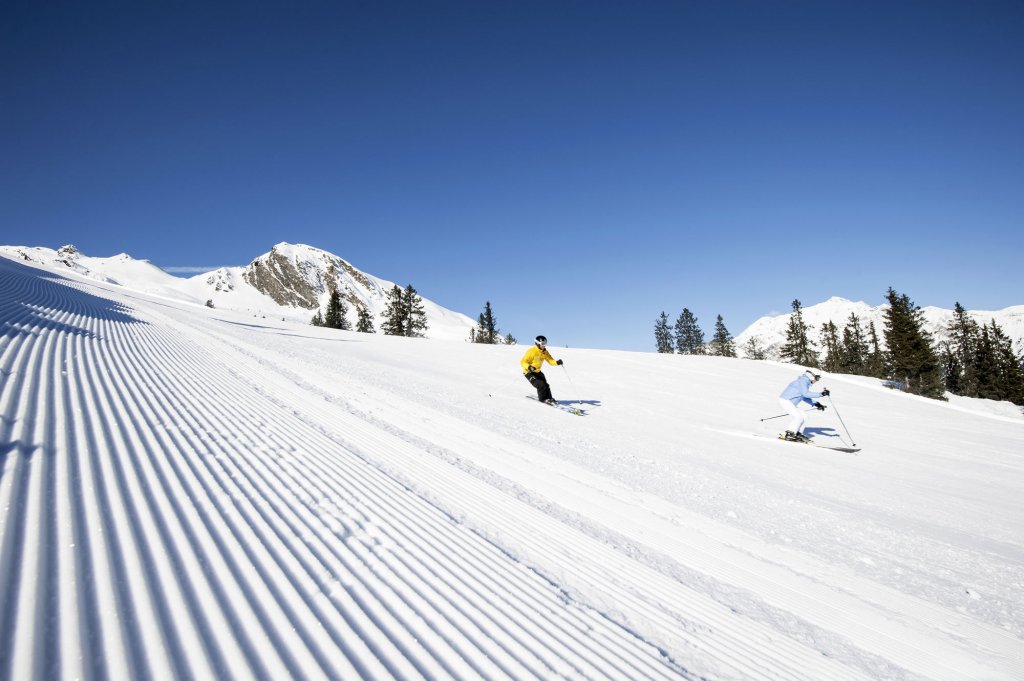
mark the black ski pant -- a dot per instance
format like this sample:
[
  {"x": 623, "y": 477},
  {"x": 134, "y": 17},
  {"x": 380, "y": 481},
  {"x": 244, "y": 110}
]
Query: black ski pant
[{"x": 537, "y": 380}]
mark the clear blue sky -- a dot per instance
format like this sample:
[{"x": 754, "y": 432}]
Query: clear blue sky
[{"x": 582, "y": 165}]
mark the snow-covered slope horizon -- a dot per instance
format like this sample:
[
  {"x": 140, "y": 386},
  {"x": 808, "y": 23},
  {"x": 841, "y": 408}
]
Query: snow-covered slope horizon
[
  {"x": 292, "y": 281},
  {"x": 289, "y": 282},
  {"x": 191, "y": 493},
  {"x": 770, "y": 330}
]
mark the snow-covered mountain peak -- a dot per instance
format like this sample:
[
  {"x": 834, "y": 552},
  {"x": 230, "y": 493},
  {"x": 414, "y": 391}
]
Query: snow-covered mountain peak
[
  {"x": 301, "y": 276},
  {"x": 67, "y": 251},
  {"x": 299, "y": 251},
  {"x": 121, "y": 269}
]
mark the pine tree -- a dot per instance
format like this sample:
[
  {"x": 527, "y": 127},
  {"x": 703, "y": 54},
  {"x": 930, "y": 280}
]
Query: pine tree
[
  {"x": 986, "y": 366},
  {"x": 662, "y": 334},
  {"x": 798, "y": 348},
  {"x": 753, "y": 350},
  {"x": 721, "y": 344},
  {"x": 998, "y": 367},
  {"x": 364, "y": 324},
  {"x": 416, "y": 316},
  {"x": 510, "y": 339},
  {"x": 318, "y": 319},
  {"x": 689, "y": 336},
  {"x": 855, "y": 349},
  {"x": 394, "y": 314},
  {"x": 491, "y": 323},
  {"x": 336, "y": 316},
  {"x": 958, "y": 355},
  {"x": 833, "y": 350},
  {"x": 952, "y": 368},
  {"x": 912, "y": 361},
  {"x": 874, "y": 365},
  {"x": 1011, "y": 367},
  {"x": 404, "y": 314},
  {"x": 487, "y": 330}
]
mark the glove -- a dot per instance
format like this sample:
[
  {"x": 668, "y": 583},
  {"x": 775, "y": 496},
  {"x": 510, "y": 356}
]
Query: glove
[
  {"x": 819, "y": 406},
  {"x": 530, "y": 369},
  {"x": 559, "y": 362},
  {"x": 826, "y": 392}
]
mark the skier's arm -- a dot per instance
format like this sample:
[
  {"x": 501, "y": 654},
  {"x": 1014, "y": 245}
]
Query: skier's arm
[
  {"x": 806, "y": 395},
  {"x": 809, "y": 397}
]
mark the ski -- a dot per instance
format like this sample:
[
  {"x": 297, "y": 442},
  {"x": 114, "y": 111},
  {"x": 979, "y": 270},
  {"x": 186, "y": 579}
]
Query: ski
[
  {"x": 847, "y": 450},
  {"x": 566, "y": 407},
  {"x": 812, "y": 443}
]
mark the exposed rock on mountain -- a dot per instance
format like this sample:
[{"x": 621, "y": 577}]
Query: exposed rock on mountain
[{"x": 286, "y": 280}]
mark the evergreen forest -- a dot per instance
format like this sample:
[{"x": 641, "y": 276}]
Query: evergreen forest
[{"x": 976, "y": 360}]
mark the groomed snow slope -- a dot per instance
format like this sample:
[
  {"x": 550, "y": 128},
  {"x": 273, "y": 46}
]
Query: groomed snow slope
[{"x": 186, "y": 493}]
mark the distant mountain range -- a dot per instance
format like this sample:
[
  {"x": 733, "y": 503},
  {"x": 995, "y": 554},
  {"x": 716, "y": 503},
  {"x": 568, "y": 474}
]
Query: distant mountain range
[
  {"x": 292, "y": 281},
  {"x": 770, "y": 331}
]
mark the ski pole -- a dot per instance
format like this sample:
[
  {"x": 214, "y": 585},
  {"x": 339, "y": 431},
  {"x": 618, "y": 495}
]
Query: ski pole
[
  {"x": 852, "y": 443},
  {"x": 578, "y": 403},
  {"x": 769, "y": 418}
]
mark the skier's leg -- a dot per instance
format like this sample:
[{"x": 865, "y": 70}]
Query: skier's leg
[
  {"x": 796, "y": 423},
  {"x": 532, "y": 378},
  {"x": 543, "y": 389}
]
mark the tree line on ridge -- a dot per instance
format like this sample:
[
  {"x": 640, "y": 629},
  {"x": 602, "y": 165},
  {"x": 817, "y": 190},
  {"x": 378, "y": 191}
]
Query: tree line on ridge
[{"x": 975, "y": 361}]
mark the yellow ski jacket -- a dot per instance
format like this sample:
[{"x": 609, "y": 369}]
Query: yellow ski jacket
[{"x": 535, "y": 357}]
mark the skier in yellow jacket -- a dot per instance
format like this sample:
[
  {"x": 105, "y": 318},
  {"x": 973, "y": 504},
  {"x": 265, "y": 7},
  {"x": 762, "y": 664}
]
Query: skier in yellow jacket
[{"x": 532, "y": 361}]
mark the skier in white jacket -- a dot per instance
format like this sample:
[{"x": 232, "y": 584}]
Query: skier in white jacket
[{"x": 797, "y": 392}]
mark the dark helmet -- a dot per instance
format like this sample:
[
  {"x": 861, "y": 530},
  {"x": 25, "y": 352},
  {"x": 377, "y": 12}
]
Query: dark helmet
[{"x": 542, "y": 339}]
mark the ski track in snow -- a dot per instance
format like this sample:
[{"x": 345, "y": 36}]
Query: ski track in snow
[{"x": 184, "y": 496}]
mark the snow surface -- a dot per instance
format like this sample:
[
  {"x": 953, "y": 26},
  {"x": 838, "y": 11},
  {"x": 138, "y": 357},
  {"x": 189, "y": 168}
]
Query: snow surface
[{"x": 190, "y": 493}]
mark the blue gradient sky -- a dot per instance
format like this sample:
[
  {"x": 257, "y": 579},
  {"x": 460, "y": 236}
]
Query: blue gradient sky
[{"x": 582, "y": 165}]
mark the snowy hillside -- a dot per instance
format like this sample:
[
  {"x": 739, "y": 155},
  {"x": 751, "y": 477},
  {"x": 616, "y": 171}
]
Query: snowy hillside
[
  {"x": 192, "y": 493},
  {"x": 770, "y": 331},
  {"x": 291, "y": 282}
]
